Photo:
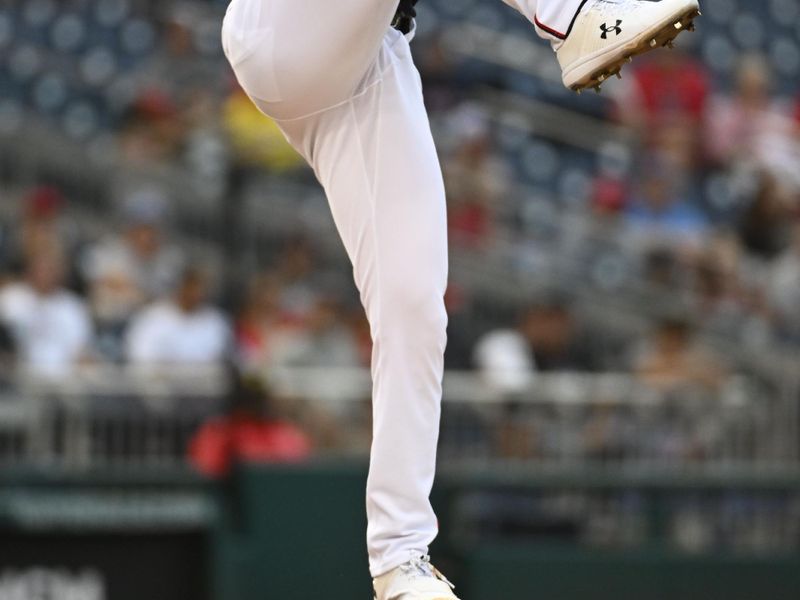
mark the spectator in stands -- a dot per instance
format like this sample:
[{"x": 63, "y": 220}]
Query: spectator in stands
[
  {"x": 546, "y": 339},
  {"x": 323, "y": 340},
  {"x": 50, "y": 325},
  {"x": 253, "y": 431},
  {"x": 152, "y": 132},
  {"x": 42, "y": 223},
  {"x": 184, "y": 330},
  {"x": 667, "y": 89},
  {"x": 476, "y": 178},
  {"x": 260, "y": 321},
  {"x": 764, "y": 227},
  {"x": 670, "y": 154},
  {"x": 504, "y": 359},
  {"x": 671, "y": 360},
  {"x": 555, "y": 339},
  {"x": 135, "y": 267},
  {"x": 293, "y": 316},
  {"x": 659, "y": 213},
  {"x": 751, "y": 126}
]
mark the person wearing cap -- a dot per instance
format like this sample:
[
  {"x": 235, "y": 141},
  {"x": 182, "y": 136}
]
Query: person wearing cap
[{"x": 41, "y": 223}]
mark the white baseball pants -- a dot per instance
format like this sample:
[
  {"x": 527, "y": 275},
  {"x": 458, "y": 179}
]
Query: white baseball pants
[
  {"x": 343, "y": 88},
  {"x": 553, "y": 18}
]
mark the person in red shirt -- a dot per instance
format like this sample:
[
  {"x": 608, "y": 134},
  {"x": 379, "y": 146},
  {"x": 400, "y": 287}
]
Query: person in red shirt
[
  {"x": 668, "y": 89},
  {"x": 249, "y": 433}
]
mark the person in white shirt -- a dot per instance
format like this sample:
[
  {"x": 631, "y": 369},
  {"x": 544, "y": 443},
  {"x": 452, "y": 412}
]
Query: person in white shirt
[
  {"x": 50, "y": 325},
  {"x": 184, "y": 330},
  {"x": 135, "y": 266}
]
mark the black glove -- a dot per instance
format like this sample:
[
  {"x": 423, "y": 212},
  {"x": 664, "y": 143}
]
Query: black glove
[{"x": 405, "y": 15}]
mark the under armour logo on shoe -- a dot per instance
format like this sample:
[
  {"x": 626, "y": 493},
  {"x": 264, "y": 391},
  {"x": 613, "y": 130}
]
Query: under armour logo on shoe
[{"x": 606, "y": 29}]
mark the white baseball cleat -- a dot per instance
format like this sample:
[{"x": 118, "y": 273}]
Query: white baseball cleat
[
  {"x": 417, "y": 579},
  {"x": 608, "y": 33}
]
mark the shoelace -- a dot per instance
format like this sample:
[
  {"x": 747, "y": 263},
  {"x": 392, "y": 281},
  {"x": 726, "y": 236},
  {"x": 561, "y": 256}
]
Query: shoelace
[{"x": 421, "y": 567}]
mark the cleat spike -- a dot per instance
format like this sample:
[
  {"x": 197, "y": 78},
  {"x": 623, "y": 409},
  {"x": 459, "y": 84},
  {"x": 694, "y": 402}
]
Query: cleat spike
[
  {"x": 629, "y": 59},
  {"x": 653, "y": 43},
  {"x": 678, "y": 25},
  {"x": 597, "y": 89},
  {"x": 670, "y": 44},
  {"x": 601, "y": 78},
  {"x": 618, "y": 74},
  {"x": 690, "y": 27}
]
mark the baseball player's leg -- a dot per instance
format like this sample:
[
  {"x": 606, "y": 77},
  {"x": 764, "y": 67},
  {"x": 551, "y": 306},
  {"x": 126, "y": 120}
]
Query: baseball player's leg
[
  {"x": 594, "y": 38},
  {"x": 376, "y": 159},
  {"x": 296, "y": 57},
  {"x": 370, "y": 145}
]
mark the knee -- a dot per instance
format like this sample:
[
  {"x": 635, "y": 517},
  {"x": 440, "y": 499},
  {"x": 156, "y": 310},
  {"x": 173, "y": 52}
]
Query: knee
[{"x": 413, "y": 313}]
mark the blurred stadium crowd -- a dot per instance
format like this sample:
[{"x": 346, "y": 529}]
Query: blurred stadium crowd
[{"x": 151, "y": 216}]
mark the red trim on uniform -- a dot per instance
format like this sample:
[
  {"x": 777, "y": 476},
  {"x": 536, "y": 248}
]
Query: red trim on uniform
[
  {"x": 558, "y": 34},
  {"x": 551, "y": 31}
]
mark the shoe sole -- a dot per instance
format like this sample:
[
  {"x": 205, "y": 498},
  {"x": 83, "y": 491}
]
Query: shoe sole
[{"x": 658, "y": 37}]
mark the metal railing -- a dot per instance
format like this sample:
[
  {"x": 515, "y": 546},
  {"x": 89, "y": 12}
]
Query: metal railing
[
  {"x": 572, "y": 419},
  {"x": 127, "y": 417},
  {"x": 107, "y": 416}
]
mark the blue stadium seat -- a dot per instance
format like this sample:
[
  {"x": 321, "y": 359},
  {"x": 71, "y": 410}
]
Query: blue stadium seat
[
  {"x": 68, "y": 33},
  {"x": 6, "y": 31},
  {"x": 111, "y": 13},
  {"x": 81, "y": 119},
  {"x": 50, "y": 92},
  {"x": 98, "y": 66},
  {"x": 138, "y": 37},
  {"x": 784, "y": 54}
]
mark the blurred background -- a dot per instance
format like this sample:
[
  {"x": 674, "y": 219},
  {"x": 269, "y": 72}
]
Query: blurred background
[{"x": 184, "y": 385}]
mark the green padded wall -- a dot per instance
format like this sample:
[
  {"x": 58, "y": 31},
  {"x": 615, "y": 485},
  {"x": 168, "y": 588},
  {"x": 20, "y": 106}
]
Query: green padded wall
[{"x": 297, "y": 533}]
